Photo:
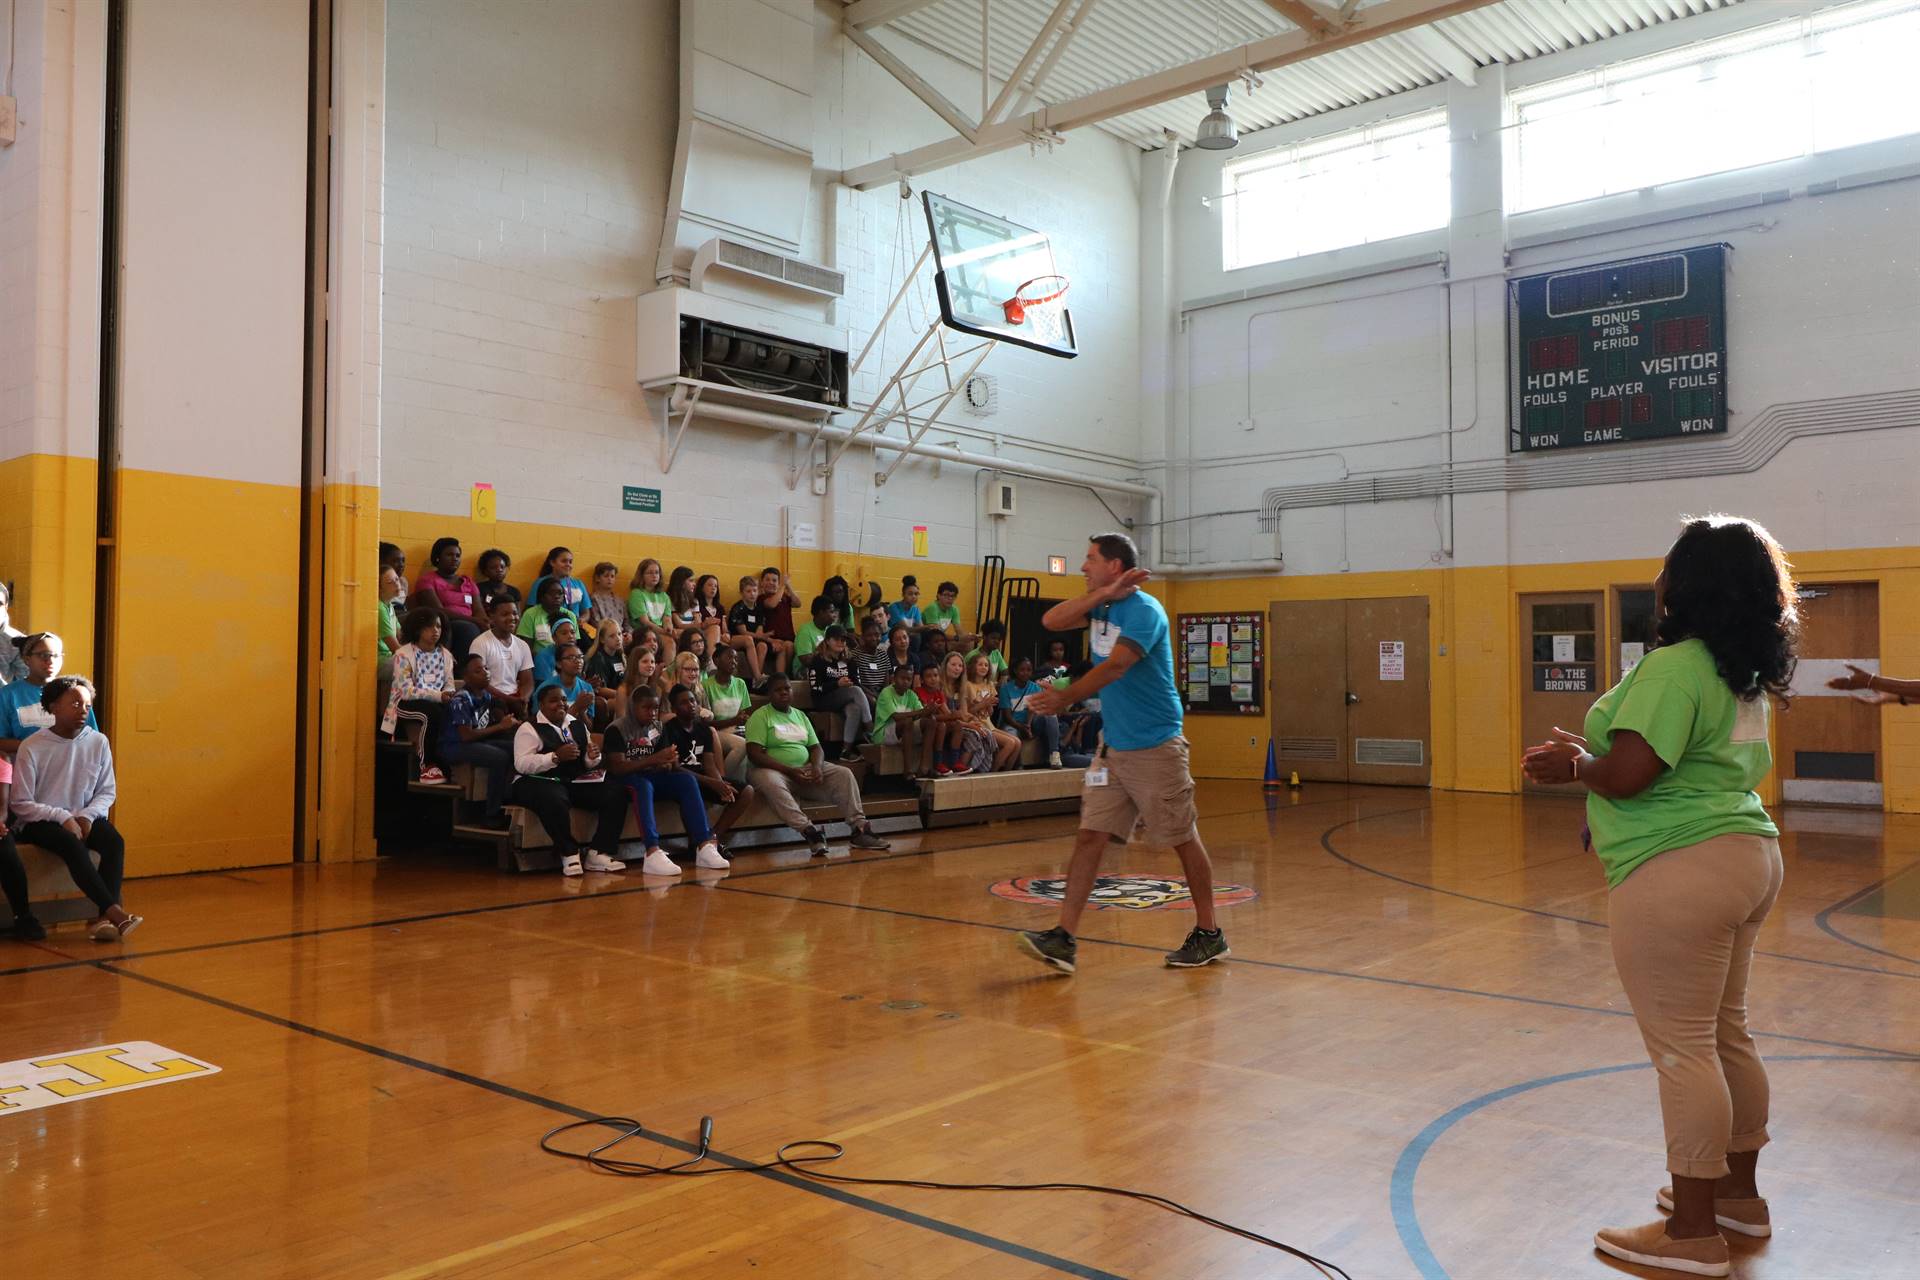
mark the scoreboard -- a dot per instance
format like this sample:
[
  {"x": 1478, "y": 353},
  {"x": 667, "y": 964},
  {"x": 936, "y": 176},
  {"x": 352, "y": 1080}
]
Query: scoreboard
[{"x": 1630, "y": 350}]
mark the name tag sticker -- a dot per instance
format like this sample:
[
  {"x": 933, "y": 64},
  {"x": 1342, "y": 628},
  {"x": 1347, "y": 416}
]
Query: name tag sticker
[
  {"x": 1104, "y": 633},
  {"x": 1097, "y": 776}
]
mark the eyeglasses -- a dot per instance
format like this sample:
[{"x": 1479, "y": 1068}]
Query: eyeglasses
[{"x": 47, "y": 653}]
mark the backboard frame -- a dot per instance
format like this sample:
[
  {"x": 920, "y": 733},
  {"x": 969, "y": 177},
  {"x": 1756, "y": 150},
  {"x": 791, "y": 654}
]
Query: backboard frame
[{"x": 932, "y": 203}]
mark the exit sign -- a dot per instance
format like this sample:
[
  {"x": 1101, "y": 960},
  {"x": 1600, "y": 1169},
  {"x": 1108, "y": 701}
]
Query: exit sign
[
  {"x": 637, "y": 499},
  {"x": 1619, "y": 352}
]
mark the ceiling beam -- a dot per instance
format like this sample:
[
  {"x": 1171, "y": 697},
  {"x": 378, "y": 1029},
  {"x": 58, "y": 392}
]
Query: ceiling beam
[
  {"x": 1027, "y": 59},
  {"x": 1303, "y": 15},
  {"x": 871, "y": 13},
  {"x": 1034, "y": 86},
  {"x": 1176, "y": 82},
  {"x": 1434, "y": 43},
  {"x": 941, "y": 104}
]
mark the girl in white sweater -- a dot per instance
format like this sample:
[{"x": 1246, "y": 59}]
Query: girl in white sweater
[{"x": 62, "y": 789}]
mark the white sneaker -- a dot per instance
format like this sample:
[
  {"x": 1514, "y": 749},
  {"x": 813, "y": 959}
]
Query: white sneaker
[
  {"x": 598, "y": 861},
  {"x": 659, "y": 864},
  {"x": 709, "y": 858},
  {"x": 570, "y": 864},
  {"x": 1053, "y": 761}
]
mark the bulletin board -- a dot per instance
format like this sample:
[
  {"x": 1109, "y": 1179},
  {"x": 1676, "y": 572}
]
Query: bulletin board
[{"x": 1220, "y": 662}]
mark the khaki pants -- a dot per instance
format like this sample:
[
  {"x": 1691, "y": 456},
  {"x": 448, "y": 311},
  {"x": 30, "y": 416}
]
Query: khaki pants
[
  {"x": 1684, "y": 925},
  {"x": 836, "y": 787}
]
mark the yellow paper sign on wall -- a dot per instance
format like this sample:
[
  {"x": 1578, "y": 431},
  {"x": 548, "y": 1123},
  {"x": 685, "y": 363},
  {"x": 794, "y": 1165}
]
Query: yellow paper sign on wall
[
  {"x": 483, "y": 504},
  {"x": 920, "y": 541}
]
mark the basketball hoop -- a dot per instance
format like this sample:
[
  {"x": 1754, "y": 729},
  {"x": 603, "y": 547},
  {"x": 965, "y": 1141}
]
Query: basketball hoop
[{"x": 1049, "y": 289}]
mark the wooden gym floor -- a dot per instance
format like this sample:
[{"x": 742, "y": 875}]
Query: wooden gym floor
[{"x": 1417, "y": 1064}]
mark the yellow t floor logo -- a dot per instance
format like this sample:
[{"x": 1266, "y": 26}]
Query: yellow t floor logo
[{"x": 49, "y": 1080}]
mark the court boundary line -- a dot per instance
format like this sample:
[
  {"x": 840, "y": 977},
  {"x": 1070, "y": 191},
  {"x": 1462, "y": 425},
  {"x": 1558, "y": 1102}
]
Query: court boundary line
[
  {"x": 1326, "y": 843},
  {"x": 939, "y": 1226},
  {"x": 1400, "y": 1193},
  {"x": 1239, "y": 959},
  {"x": 1826, "y": 927},
  {"x": 77, "y": 962}
]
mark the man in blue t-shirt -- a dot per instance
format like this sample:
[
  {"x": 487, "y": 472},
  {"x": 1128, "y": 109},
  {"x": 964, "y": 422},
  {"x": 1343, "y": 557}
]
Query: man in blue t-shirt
[{"x": 1141, "y": 772}]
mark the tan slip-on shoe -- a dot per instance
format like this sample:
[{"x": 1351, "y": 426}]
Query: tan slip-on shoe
[
  {"x": 1651, "y": 1246},
  {"x": 1748, "y": 1216}
]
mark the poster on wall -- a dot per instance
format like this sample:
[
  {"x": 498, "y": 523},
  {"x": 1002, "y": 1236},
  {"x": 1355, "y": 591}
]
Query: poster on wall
[
  {"x": 1563, "y": 679},
  {"x": 1393, "y": 660},
  {"x": 1563, "y": 648},
  {"x": 1220, "y": 661}
]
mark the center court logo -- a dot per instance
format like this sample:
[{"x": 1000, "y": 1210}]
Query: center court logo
[{"x": 1121, "y": 892}]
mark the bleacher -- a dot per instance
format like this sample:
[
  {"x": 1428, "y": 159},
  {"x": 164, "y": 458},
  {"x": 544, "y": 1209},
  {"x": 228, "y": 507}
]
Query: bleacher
[{"x": 892, "y": 803}]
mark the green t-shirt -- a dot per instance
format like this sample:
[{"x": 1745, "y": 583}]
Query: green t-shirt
[
  {"x": 787, "y": 735},
  {"x": 996, "y": 661},
  {"x": 891, "y": 702},
  {"x": 653, "y": 606},
  {"x": 724, "y": 700},
  {"x": 537, "y": 629},
  {"x": 389, "y": 630},
  {"x": 947, "y": 619},
  {"x": 807, "y": 639},
  {"x": 1715, "y": 748}
]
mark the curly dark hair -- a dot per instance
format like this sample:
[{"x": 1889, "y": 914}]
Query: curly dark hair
[{"x": 1728, "y": 585}]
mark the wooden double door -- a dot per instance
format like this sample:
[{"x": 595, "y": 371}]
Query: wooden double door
[{"x": 1349, "y": 685}]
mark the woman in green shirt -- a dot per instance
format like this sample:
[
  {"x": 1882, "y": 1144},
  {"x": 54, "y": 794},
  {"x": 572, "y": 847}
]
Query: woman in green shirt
[
  {"x": 1670, "y": 760},
  {"x": 650, "y": 607}
]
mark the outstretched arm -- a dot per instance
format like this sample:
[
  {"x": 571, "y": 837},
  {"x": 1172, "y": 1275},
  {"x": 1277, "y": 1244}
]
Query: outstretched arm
[{"x": 1069, "y": 615}]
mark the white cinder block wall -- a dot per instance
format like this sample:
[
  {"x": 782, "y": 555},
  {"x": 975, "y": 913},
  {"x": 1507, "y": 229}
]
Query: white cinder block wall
[
  {"x": 529, "y": 156},
  {"x": 1391, "y": 370}
]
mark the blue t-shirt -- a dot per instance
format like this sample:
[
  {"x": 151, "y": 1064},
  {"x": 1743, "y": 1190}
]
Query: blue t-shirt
[
  {"x": 899, "y": 614},
  {"x": 1013, "y": 700},
  {"x": 469, "y": 709},
  {"x": 1142, "y": 707},
  {"x": 20, "y": 713}
]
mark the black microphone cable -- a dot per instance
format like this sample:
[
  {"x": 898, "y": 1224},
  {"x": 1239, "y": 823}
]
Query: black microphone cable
[{"x": 789, "y": 1159}]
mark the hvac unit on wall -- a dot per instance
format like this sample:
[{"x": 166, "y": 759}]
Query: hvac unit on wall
[
  {"x": 1000, "y": 497},
  {"x": 726, "y": 343}
]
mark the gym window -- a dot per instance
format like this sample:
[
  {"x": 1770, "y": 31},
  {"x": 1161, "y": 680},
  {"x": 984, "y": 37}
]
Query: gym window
[
  {"x": 1355, "y": 187},
  {"x": 1780, "y": 92}
]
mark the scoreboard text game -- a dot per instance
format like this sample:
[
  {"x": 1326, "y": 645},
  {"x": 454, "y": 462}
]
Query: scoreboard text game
[{"x": 1633, "y": 350}]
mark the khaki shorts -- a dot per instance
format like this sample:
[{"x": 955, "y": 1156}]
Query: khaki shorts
[{"x": 1154, "y": 784}]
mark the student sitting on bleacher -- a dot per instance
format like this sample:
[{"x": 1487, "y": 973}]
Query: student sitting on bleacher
[
  {"x": 709, "y": 614},
  {"x": 777, "y": 603},
  {"x": 687, "y": 675},
  {"x": 944, "y": 614},
  {"x": 509, "y": 660},
  {"x": 21, "y": 715},
  {"x": 807, "y": 638},
  {"x": 973, "y": 710},
  {"x": 901, "y": 720},
  {"x": 388, "y": 622},
  {"x": 993, "y": 639},
  {"x": 871, "y": 665},
  {"x": 546, "y": 661},
  {"x": 692, "y": 643},
  {"x": 933, "y": 652},
  {"x": 700, "y": 757},
  {"x": 1015, "y": 715},
  {"x": 725, "y": 694},
  {"x": 648, "y": 606},
  {"x": 455, "y": 594},
  {"x": 747, "y": 631},
  {"x": 900, "y": 652},
  {"x": 422, "y": 683},
  {"x": 392, "y": 557},
  {"x": 905, "y": 612},
  {"x": 478, "y": 723},
  {"x": 685, "y": 613},
  {"x": 603, "y": 601},
  {"x": 606, "y": 668},
  {"x": 640, "y": 757},
  {"x": 558, "y": 566},
  {"x": 941, "y": 731},
  {"x": 63, "y": 787},
  {"x": 493, "y": 584},
  {"x": 557, "y": 772},
  {"x": 837, "y": 594},
  {"x": 835, "y": 689},
  {"x": 536, "y": 624},
  {"x": 12, "y": 665},
  {"x": 1055, "y": 669},
  {"x": 785, "y": 756},
  {"x": 579, "y": 695}
]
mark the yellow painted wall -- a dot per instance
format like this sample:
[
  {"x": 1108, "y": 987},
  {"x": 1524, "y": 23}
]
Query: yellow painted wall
[
  {"x": 528, "y": 544},
  {"x": 47, "y": 540},
  {"x": 205, "y": 634},
  {"x": 1476, "y": 685}
]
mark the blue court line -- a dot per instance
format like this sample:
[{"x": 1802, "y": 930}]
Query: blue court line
[
  {"x": 1827, "y": 927},
  {"x": 1406, "y": 1218},
  {"x": 1326, "y": 842}
]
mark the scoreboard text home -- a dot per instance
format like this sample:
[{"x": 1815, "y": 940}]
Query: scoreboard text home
[{"x": 1633, "y": 350}]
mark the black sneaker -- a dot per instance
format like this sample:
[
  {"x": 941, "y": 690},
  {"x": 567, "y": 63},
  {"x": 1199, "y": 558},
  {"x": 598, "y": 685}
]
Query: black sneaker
[
  {"x": 816, "y": 841},
  {"x": 28, "y": 929},
  {"x": 1201, "y": 947},
  {"x": 1055, "y": 947}
]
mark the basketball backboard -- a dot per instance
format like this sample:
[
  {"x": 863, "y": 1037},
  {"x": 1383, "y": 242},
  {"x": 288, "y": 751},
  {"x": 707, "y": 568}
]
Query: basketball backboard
[{"x": 980, "y": 261}]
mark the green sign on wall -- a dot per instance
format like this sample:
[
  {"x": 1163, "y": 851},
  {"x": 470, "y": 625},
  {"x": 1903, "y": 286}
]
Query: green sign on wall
[{"x": 633, "y": 498}]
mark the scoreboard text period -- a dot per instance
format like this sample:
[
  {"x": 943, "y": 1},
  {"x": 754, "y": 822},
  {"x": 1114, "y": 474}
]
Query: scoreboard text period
[{"x": 1631, "y": 350}]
